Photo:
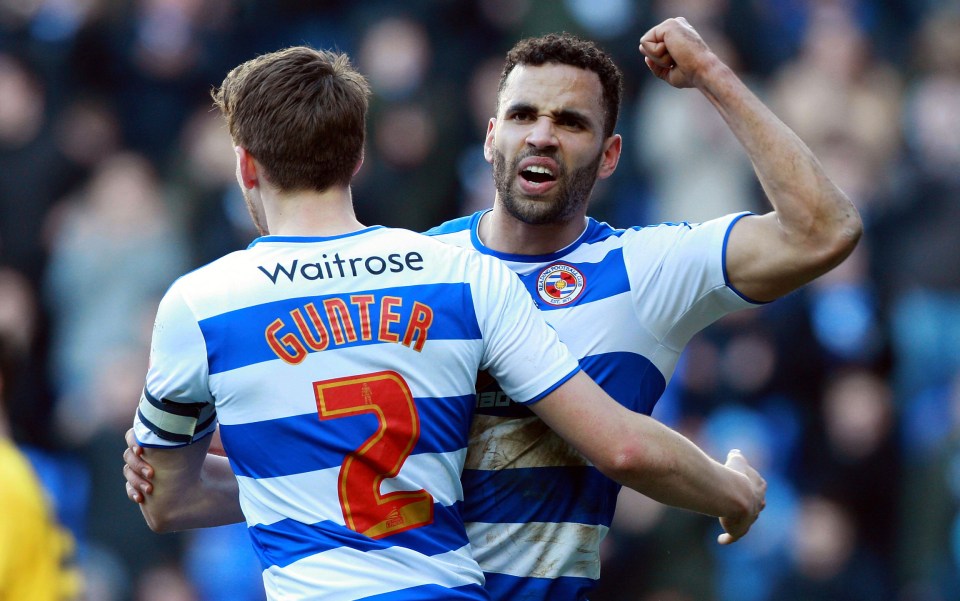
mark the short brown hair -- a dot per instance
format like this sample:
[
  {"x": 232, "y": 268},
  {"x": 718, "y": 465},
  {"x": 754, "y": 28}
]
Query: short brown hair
[
  {"x": 301, "y": 113},
  {"x": 568, "y": 49}
]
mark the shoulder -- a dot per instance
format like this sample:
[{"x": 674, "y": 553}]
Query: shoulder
[
  {"x": 668, "y": 233},
  {"x": 438, "y": 244},
  {"x": 454, "y": 225},
  {"x": 214, "y": 269},
  {"x": 458, "y": 232},
  {"x": 199, "y": 287}
]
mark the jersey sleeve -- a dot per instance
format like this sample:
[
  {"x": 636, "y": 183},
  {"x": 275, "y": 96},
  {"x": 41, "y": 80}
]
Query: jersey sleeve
[
  {"x": 678, "y": 277},
  {"x": 521, "y": 351},
  {"x": 176, "y": 407}
]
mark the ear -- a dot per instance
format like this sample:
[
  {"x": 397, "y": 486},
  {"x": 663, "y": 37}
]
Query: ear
[
  {"x": 488, "y": 141},
  {"x": 359, "y": 164},
  {"x": 611, "y": 156},
  {"x": 247, "y": 170}
]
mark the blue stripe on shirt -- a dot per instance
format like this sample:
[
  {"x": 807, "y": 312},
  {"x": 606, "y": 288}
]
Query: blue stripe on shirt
[
  {"x": 600, "y": 280},
  {"x": 631, "y": 379},
  {"x": 238, "y": 338},
  {"x": 432, "y": 592},
  {"x": 284, "y": 542},
  {"x": 291, "y": 445},
  {"x": 505, "y": 587},
  {"x": 539, "y": 494}
]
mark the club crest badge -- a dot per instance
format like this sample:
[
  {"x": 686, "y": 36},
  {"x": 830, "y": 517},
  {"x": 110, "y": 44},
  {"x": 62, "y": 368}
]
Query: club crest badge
[{"x": 560, "y": 284}]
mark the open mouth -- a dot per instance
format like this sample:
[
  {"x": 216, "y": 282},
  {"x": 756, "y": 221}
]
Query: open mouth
[{"x": 537, "y": 174}]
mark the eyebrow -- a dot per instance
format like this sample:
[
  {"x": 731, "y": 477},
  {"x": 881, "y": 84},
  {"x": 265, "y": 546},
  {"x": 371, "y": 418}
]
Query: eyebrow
[{"x": 568, "y": 114}]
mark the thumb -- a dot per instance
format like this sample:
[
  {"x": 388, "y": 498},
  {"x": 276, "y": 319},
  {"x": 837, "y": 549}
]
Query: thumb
[{"x": 736, "y": 460}]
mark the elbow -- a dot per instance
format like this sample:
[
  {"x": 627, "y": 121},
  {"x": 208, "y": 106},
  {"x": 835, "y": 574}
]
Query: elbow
[
  {"x": 158, "y": 520},
  {"x": 630, "y": 463},
  {"x": 156, "y": 523},
  {"x": 843, "y": 235},
  {"x": 835, "y": 239},
  {"x": 848, "y": 233}
]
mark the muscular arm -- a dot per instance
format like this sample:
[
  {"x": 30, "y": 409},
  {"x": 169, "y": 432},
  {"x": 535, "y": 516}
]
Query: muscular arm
[
  {"x": 647, "y": 456},
  {"x": 190, "y": 489},
  {"x": 813, "y": 226}
]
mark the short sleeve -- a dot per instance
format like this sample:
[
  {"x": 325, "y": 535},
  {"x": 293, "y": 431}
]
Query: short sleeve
[
  {"x": 176, "y": 407},
  {"x": 521, "y": 351},
  {"x": 678, "y": 277}
]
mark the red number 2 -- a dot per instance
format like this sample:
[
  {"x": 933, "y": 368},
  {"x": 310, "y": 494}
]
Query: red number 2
[{"x": 365, "y": 509}]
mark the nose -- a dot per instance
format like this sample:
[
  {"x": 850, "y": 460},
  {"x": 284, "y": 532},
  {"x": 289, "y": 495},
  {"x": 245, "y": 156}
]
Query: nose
[{"x": 542, "y": 134}]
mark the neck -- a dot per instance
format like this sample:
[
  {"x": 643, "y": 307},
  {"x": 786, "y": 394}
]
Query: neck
[
  {"x": 502, "y": 232},
  {"x": 310, "y": 213}
]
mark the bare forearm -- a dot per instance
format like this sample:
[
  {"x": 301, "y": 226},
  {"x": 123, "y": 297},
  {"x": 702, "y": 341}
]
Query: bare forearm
[
  {"x": 814, "y": 226},
  {"x": 189, "y": 496},
  {"x": 804, "y": 197},
  {"x": 667, "y": 467},
  {"x": 640, "y": 452}
]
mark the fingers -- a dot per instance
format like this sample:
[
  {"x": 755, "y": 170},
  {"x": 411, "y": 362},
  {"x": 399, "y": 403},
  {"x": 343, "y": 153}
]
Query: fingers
[
  {"x": 656, "y": 53},
  {"x": 136, "y": 471},
  {"x": 132, "y": 494},
  {"x": 657, "y": 70},
  {"x": 132, "y": 459},
  {"x": 734, "y": 529},
  {"x": 131, "y": 439},
  {"x": 653, "y": 48},
  {"x": 136, "y": 486}
]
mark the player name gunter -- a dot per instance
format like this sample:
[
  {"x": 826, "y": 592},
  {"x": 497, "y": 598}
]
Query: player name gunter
[
  {"x": 330, "y": 323},
  {"x": 353, "y": 318},
  {"x": 329, "y": 268}
]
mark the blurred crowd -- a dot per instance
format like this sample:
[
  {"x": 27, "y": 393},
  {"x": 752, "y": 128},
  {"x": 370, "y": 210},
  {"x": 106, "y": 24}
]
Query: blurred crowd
[{"x": 116, "y": 177}]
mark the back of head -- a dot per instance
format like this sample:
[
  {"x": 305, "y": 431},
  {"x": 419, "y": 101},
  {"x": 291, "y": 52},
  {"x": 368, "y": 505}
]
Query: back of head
[
  {"x": 568, "y": 49},
  {"x": 301, "y": 113}
]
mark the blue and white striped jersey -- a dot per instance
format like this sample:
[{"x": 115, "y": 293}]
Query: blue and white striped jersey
[
  {"x": 625, "y": 302},
  {"x": 342, "y": 374}
]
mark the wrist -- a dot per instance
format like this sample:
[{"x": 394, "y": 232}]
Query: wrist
[
  {"x": 741, "y": 500},
  {"x": 710, "y": 72}
]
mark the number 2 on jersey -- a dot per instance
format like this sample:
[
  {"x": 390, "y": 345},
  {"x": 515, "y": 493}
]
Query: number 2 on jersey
[{"x": 386, "y": 395}]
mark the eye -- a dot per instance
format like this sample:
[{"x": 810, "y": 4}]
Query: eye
[
  {"x": 570, "y": 122},
  {"x": 522, "y": 117}
]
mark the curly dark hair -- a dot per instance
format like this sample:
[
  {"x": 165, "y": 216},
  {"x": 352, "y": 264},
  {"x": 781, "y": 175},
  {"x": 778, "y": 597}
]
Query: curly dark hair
[{"x": 568, "y": 49}]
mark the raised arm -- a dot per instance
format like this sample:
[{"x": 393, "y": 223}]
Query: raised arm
[
  {"x": 187, "y": 487},
  {"x": 640, "y": 452},
  {"x": 813, "y": 226}
]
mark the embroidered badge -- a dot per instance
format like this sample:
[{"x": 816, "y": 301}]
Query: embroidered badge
[{"x": 560, "y": 284}]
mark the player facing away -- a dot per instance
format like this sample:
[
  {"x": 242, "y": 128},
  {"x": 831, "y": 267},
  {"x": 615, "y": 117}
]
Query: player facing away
[
  {"x": 340, "y": 362},
  {"x": 625, "y": 301}
]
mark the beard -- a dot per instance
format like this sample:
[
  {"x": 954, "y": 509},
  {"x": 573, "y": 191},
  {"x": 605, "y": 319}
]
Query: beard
[{"x": 569, "y": 197}]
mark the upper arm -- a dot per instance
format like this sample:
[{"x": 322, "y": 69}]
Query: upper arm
[
  {"x": 604, "y": 431},
  {"x": 175, "y": 417},
  {"x": 766, "y": 260},
  {"x": 176, "y": 406},
  {"x": 761, "y": 264}
]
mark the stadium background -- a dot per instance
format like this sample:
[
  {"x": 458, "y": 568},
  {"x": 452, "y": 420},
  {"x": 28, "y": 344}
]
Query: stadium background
[{"x": 116, "y": 176}]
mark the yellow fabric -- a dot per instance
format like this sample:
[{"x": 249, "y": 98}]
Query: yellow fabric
[{"x": 35, "y": 552}]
